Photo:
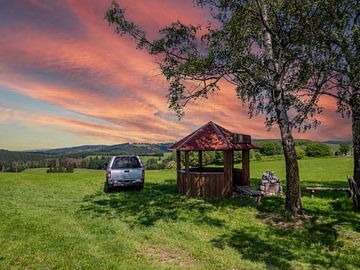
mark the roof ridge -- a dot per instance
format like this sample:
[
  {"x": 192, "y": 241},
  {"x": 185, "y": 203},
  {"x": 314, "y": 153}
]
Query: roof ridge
[{"x": 217, "y": 129}]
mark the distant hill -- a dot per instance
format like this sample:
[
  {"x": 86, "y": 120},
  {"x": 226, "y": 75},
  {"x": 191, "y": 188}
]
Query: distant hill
[
  {"x": 6, "y": 155},
  {"x": 142, "y": 149},
  {"x": 117, "y": 149}
]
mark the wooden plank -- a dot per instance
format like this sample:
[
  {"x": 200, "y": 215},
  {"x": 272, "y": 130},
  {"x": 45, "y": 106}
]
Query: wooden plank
[
  {"x": 216, "y": 185},
  {"x": 179, "y": 179},
  {"x": 228, "y": 172},
  {"x": 245, "y": 167},
  {"x": 207, "y": 186},
  {"x": 327, "y": 188},
  {"x": 198, "y": 187},
  {"x": 187, "y": 183},
  {"x": 202, "y": 190}
]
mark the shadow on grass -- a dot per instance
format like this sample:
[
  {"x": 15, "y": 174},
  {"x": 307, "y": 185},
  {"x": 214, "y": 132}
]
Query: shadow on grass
[
  {"x": 157, "y": 202},
  {"x": 313, "y": 240},
  {"x": 273, "y": 241},
  {"x": 277, "y": 248}
]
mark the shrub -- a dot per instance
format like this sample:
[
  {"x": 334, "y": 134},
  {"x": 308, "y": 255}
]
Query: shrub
[
  {"x": 257, "y": 156},
  {"x": 171, "y": 165},
  {"x": 270, "y": 148},
  {"x": 344, "y": 148},
  {"x": 152, "y": 164},
  {"x": 219, "y": 158},
  {"x": 300, "y": 153},
  {"x": 317, "y": 150}
]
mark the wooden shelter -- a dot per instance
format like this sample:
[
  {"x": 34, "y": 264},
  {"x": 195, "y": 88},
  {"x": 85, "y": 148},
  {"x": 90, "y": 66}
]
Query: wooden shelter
[{"x": 212, "y": 182}]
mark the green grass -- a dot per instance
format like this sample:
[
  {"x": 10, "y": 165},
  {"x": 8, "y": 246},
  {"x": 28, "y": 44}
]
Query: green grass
[{"x": 65, "y": 221}]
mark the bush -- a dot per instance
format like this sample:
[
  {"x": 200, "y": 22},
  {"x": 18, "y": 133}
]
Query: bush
[
  {"x": 344, "y": 148},
  {"x": 68, "y": 168},
  {"x": 317, "y": 150},
  {"x": 257, "y": 156},
  {"x": 300, "y": 153},
  {"x": 171, "y": 165},
  {"x": 270, "y": 148},
  {"x": 152, "y": 164}
]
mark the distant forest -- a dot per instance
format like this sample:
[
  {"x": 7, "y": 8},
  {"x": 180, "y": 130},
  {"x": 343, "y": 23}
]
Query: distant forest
[{"x": 154, "y": 156}]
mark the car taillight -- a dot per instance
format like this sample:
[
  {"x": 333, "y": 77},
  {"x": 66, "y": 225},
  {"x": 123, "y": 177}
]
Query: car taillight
[{"x": 109, "y": 174}]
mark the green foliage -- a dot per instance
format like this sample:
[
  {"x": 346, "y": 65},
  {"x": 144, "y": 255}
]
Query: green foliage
[
  {"x": 152, "y": 164},
  {"x": 238, "y": 156},
  {"x": 257, "y": 156},
  {"x": 95, "y": 163},
  {"x": 219, "y": 158},
  {"x": 61, "y": 169},
  {"x": 345, "y": 147},
  {"x": 300, "y": 153},
  {"x": 171, "y": 165},
  {"x": 270, "y": 148},
  {"x": 317, "y": 150}
]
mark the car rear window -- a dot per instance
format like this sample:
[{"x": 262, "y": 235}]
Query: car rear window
[{"x": 126, "y": 163}]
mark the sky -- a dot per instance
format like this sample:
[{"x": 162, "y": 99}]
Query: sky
[{"x": 67, "y": 79}]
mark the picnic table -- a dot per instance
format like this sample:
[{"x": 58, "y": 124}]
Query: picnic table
[{"x": 312, "y": 189}]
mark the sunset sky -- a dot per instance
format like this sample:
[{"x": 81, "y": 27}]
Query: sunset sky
[{"x": 66, "y": 79}]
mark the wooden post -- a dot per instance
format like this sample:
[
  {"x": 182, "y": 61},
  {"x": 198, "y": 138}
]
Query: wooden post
[
  {"x": 187, "y": 183},
  {"x": 228, "y": 172},
  {"x": 245, "y": 172},
  {"x": 200, "y": 159},
  {"x": 178, "y": 168}
]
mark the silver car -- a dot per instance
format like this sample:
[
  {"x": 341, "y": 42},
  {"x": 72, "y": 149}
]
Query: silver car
[{"x": 124, "y": 171}]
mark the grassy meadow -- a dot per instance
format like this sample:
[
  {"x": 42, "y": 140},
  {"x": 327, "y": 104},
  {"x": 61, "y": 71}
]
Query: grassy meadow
[{"x": 66, "y": 221}]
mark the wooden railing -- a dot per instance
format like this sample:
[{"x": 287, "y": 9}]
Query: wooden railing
[{"x": 204, "y": 183}]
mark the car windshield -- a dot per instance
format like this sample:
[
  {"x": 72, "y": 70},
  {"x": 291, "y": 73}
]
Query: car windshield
[{"x": 126, "y": 163}]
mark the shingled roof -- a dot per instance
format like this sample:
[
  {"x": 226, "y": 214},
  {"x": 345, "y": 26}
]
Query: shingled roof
[{"x": 214, "y": 137}]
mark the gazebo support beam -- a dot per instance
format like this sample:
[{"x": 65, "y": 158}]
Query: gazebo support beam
[
  {"x": 187, "y": 183},
  {"x": 178, "y": 168},
  {"x": 228, "y": 172},
  {"x": 245, "y": 172},
  {"x": 200, "y": 162}
]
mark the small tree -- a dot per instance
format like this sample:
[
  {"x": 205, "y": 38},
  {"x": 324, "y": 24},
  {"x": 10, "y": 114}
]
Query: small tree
[
  {"x": 266, "y": 49},
  {"x": 270, "y": 148},
  {"x": 344, "y": 148},
  {"x": 317, "y": 150}
]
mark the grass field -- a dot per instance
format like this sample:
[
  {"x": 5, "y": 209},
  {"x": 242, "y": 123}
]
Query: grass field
[{"x": 65, "y": 221}]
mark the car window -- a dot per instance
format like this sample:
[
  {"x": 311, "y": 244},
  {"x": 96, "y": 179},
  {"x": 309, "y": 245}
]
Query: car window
[{"x": 126, "y": 163}]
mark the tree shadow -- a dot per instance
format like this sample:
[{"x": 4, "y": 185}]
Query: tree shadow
[
  {"x": 157, "y": 202},
  {"x": 278, "y": 247},
  {"x": 256, "y": 248}
]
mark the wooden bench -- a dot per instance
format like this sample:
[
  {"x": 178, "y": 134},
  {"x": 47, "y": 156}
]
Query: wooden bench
[
  {"x": 313, "y": 189},
  {"x": 256, "y": 195}
]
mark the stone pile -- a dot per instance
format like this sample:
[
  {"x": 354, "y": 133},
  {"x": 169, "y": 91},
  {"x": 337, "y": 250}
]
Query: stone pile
[{"x": 270, "y": 184}]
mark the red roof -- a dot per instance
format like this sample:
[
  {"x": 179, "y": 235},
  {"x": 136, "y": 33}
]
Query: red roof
[{"x": 214, "y": 137}]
